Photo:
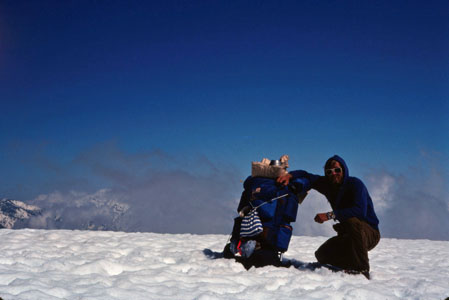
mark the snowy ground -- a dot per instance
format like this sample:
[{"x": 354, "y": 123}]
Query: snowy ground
[{"x": 39, "y": 264}]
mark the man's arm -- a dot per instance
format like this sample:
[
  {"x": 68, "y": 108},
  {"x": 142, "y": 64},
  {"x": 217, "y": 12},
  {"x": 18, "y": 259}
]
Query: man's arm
[
  {"x": 323, "y": 217},
  {"x": 299, "y": 174},
  {"x": 315, "y": 182},
  {"x": 299, "y": 180}
]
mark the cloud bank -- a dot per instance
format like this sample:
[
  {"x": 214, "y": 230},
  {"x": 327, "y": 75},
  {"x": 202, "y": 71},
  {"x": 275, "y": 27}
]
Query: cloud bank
[
  {"x": 411, "y": 207},
  {"x": 145, "y": 192},
  {"x": 154, "y": 192}
]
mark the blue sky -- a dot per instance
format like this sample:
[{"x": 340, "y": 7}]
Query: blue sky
[{"x": 213, "y": 85}]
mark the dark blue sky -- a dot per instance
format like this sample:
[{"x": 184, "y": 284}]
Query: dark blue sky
[{"x": 222, "y": 82}]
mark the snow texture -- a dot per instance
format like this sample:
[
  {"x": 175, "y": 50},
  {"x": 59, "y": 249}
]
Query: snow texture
[{"x": 81, "y": 265}]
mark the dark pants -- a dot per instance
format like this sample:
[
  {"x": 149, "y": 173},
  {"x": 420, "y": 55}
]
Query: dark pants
[
  {"x": 259, "y": 258},
  {"x": 264, "y": 256},
  {"x": 349, "y": 249}
]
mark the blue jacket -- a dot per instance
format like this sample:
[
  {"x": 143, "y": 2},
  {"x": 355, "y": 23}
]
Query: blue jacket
[{"x": 351, "y": 199}]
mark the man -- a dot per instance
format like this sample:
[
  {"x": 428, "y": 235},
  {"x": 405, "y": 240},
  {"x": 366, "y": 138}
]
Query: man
[{"x": 357, "y": 230}]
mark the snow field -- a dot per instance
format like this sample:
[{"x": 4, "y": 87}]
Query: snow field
[{"x": 82, "y": 265}]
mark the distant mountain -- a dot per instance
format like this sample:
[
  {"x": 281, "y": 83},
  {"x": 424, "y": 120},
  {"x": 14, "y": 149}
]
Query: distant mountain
[
  {"x": 98, "y": 211},
  {"x": 101, "y": 210},
  {"x": 14, "y": 212}
]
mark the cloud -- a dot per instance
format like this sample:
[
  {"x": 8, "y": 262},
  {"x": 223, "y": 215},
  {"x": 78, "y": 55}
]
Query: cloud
[
  {"x": 305, "y": 225},
  {"x": 154, "y": 191},
  {"x": 146, "y": 192},
  {"x": 78, "y": 210},
  {"x": 382, "y": 191},
  {"x": 172, "y": 202},
  {"x": 411, "y": 207}
]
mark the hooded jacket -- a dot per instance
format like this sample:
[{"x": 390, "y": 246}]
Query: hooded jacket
[{"x": 350, "y": 199}]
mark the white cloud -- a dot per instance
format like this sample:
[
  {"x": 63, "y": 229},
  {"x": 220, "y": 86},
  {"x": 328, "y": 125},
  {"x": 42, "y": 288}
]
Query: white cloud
[
  {"x": 382, "y": 191},
  {"x": 78, "y": 210},
  {"x": 305, "y": 225},
  {"x": 412, "y": 205},
  {"x": 156, "y": 192}
]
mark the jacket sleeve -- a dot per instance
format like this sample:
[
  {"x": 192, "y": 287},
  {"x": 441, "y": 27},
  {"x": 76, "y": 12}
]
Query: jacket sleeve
[
  {"x": 312, "y": 181},
  {"x": 244, "y": 200},
  {"x": 360, "y": 197}
]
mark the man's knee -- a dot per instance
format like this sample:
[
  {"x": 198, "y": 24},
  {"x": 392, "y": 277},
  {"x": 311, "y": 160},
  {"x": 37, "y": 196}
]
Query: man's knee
[{"x": 321, "y": 255}]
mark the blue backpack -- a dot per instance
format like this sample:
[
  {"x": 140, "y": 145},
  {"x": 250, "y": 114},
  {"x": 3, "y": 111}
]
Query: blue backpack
[{"x": 277, "y": 207}]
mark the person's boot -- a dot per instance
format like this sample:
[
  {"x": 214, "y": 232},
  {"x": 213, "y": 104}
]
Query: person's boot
[
  {"x": 227, "y": 253},
  {"x": 354, "y": 272}
]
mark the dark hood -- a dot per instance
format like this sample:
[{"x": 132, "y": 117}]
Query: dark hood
[{"x": 342, "y": 163}]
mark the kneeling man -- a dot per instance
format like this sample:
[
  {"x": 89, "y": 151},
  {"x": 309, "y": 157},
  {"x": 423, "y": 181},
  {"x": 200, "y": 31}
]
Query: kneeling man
[{"x": 358, "y": 227}]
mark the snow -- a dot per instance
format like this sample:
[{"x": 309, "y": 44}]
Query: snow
[{"x": 63, "y": 264}]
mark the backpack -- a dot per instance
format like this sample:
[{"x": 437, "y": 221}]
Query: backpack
[{"x": 276, "y": 206}]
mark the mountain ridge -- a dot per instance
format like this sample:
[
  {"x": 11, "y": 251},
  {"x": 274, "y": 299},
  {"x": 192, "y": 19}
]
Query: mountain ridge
[{"x": 15, "y": 211}]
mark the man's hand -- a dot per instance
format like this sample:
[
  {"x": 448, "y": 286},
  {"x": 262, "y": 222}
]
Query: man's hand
[
  {"x": 321, "y": 218},
  {"x": 284, "y": 179}
]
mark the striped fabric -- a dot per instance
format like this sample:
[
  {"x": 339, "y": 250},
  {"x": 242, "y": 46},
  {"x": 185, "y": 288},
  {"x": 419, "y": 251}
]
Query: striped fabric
[{"x": 251, "y": 225}]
